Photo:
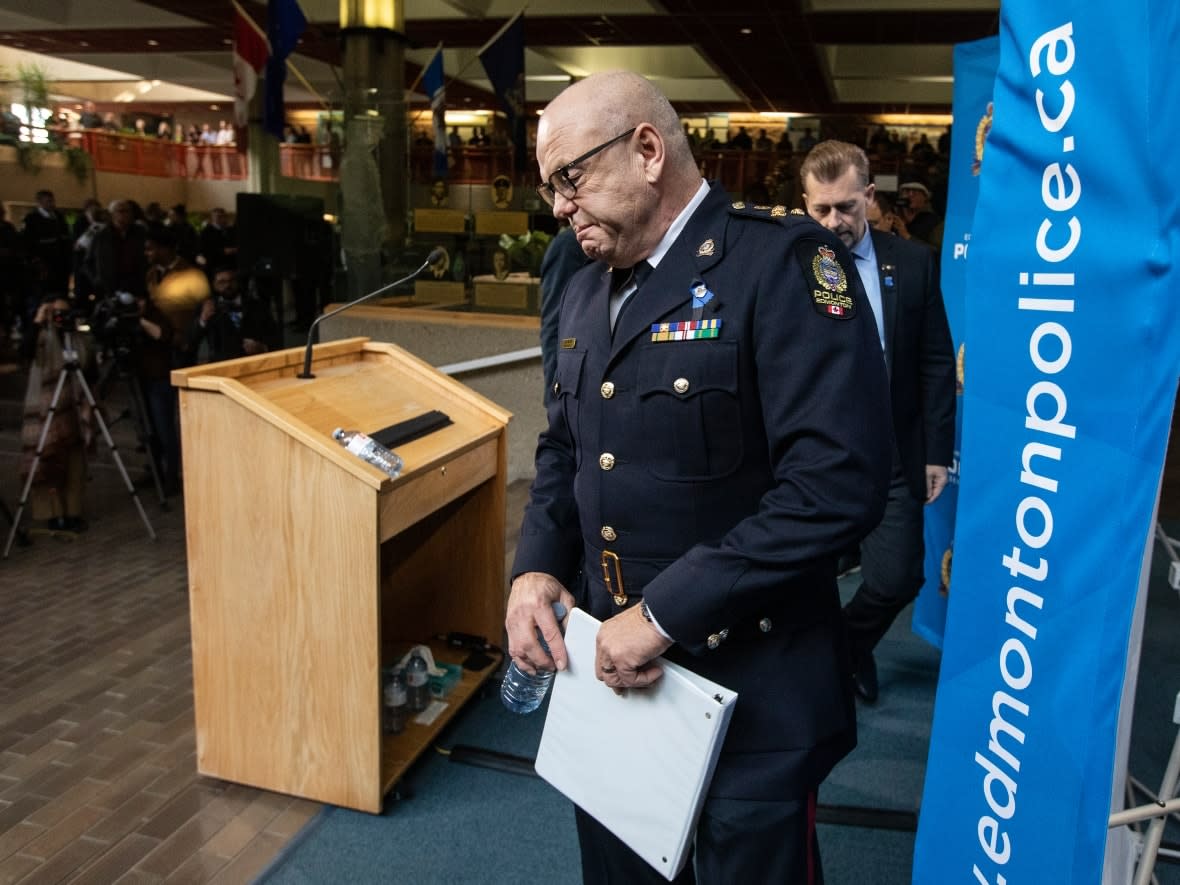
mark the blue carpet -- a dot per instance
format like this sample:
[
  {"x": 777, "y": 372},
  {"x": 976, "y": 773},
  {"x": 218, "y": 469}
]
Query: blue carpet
[{"x": 462, "y": 824}]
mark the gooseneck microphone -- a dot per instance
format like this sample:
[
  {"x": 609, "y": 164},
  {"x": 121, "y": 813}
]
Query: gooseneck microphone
[{"x": 435, "y": 255}]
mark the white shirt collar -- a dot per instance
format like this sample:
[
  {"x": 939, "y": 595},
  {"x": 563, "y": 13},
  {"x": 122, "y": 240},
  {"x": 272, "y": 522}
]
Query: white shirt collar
[{"x": 678, "y": 224}]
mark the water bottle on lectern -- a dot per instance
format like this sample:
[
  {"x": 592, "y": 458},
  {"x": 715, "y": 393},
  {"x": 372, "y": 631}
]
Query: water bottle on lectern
[{"x": 368, "y": 449}]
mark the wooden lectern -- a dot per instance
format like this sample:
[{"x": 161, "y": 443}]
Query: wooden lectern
[{"x": 310, "y": 570}]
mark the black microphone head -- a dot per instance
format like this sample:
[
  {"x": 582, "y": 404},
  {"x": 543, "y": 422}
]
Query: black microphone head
[{"x": 437, "y": 254}]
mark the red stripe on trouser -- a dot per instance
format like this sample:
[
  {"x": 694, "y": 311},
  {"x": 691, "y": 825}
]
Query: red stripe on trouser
[{"x": 811, "y": 838}]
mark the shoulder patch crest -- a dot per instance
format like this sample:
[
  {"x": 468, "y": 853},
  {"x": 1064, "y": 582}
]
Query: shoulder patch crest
[{"x": 827, "y": 279}]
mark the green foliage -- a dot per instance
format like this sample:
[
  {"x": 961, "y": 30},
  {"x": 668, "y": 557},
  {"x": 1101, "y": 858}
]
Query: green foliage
[
  {"x": 78, "y": 163},
  {"x": 526, "y": 250},
  {"x": 30, "y": 157},
  {"x": 34, "y": 85}
]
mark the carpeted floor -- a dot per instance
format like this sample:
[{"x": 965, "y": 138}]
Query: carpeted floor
[{"x": 461, "y": 824}]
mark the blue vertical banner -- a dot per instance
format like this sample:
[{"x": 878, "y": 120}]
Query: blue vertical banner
[
  {"x": 1073, "y": 353},
  {"x": 503, "y": 59},
  {"x": 285, "y": 24},
  {"x": 434, "y": 84},
  {"x": 975, "y": 74}
]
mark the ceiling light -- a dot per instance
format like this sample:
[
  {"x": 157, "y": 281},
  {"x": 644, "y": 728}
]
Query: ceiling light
[
  {"x": 372, "y": 14},
  {"x": 745, "y": 32},
  {"x": 227, "y": 41},
  {"x": 83, "y": 42},
  {"x": 153, "y": 42},
  {"x": 215, "y": 107}
]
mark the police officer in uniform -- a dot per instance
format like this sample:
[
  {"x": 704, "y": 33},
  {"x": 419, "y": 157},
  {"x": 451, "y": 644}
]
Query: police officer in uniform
[{"x": 718, "y": 432}]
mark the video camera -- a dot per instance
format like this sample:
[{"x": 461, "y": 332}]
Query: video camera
[
  {"x": 115, "y": 323},
  {"x": 65, "y": 319}
]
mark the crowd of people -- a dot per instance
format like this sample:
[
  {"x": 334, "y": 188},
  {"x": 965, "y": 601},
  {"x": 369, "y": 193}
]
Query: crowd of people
[
  {"x": 124, "y": 292},
  {"x": 60, "y": 124}
]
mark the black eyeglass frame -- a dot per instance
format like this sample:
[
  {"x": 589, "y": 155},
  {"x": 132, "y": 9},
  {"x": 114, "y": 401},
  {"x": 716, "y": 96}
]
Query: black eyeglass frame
[{"x": 548, "y": 191}]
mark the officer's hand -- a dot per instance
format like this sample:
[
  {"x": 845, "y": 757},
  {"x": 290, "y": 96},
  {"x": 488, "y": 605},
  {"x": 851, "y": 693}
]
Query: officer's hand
[
  {"x": 935, "y": 482},
  {"x": 625, "y": 649},
  {"x": 530, "y": 607}
]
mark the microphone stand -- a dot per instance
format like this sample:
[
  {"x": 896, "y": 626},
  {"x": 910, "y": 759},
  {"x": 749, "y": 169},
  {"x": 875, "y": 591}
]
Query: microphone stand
[{"x": 434, "y": 256}]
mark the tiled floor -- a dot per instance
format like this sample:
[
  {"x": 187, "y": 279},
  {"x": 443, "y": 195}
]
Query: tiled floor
[{"x": 98, "y": 779}]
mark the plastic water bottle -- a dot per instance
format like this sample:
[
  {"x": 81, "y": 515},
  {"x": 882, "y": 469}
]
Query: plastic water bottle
[
  {"x": 417, "y": 683},
  {"x": 393, "y": 719},
  {"x": 522, "y": 692},
  {"x": 368, "y": 449}
]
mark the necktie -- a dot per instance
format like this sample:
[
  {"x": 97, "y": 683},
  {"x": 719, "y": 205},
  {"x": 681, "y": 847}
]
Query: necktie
[{"x": 625, "y": 282}]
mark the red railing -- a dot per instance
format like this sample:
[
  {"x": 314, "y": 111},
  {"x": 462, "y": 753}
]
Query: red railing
[
  {"x": 137, "y": 155},
  {"x": 465, "y": 165}
]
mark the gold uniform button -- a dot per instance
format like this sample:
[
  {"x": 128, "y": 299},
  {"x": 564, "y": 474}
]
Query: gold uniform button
[
  {"x": 764, "y": 625},
  {"x": 716, "y": 639},
  {"x": 680, "y": 385},
  {"x": 607, "y": 389},
  {"x": 606, "y": 461},
  {"x": 608, "y": 534}
]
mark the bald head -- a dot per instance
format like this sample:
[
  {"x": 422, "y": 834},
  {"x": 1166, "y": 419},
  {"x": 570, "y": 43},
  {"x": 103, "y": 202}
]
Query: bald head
[
  {"x": 640, "y": 172},
  {"x": 603, "y": 105}
]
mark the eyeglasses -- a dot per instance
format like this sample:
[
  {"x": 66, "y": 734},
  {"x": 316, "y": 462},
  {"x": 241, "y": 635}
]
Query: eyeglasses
[{"x": 561, "y": 183}]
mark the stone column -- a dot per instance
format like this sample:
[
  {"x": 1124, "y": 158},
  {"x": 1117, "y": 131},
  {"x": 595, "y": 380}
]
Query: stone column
[{"x": 374, "y": 186}]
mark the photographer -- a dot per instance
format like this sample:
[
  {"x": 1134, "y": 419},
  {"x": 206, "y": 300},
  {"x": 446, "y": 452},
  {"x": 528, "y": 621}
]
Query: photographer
[
  {"x": 228, "y": 324},
  {"x": 115, "y": 260},
  {"x": 152, "y": 362},
  {"x": 56, "y": 493},
  {"x": 884, "y": 214}
]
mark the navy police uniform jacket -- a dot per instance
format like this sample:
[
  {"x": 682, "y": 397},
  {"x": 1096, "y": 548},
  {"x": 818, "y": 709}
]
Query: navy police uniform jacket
[{"x": 725, "y": 443}]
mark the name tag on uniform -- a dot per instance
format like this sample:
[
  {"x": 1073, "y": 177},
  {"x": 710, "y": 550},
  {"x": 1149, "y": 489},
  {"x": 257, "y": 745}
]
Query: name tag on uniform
[
  {"x": 569, "y": 343},
  {"x": 689, "y": 330}
]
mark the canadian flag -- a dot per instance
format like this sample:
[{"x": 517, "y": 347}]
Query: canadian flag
[{"x": 251, "y": 49}]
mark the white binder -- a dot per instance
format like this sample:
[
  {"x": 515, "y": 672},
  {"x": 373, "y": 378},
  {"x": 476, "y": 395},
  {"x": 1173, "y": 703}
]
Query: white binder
[{"x": 639, "y": 763}]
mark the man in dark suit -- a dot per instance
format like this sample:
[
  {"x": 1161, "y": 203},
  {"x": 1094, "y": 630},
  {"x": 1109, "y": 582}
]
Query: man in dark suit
[
  {"x": 718, "y": 432},
  {"x": 218, "y": 242},
  {"x": 48, "y": 245},
  {"x": 901, "y": 281}
]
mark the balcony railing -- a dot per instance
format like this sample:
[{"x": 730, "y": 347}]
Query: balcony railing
[{"x": 136, "y": 155}]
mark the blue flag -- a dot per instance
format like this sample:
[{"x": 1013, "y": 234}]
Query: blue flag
[
  {"x": 1070, "y": 380},
  {"x": 975, "y": 74},
  {"x": 285, "y": 24},
  {"x": 503, "y": 60},
  {"x": 434, "y": 85}
]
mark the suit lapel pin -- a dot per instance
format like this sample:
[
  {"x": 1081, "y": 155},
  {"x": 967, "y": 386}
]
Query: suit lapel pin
[{"x": 706, "y": 248}]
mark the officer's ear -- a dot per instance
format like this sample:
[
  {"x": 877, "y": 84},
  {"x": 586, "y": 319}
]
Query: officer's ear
[{"x": 651, "y": 149}]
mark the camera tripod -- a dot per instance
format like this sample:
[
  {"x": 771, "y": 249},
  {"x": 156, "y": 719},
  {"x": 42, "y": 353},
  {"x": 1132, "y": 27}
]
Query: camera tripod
[
  {"x": 116, "y": 369},
  {"x": 72, "y": 368},
  {"x": 21, "y": 535}
]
